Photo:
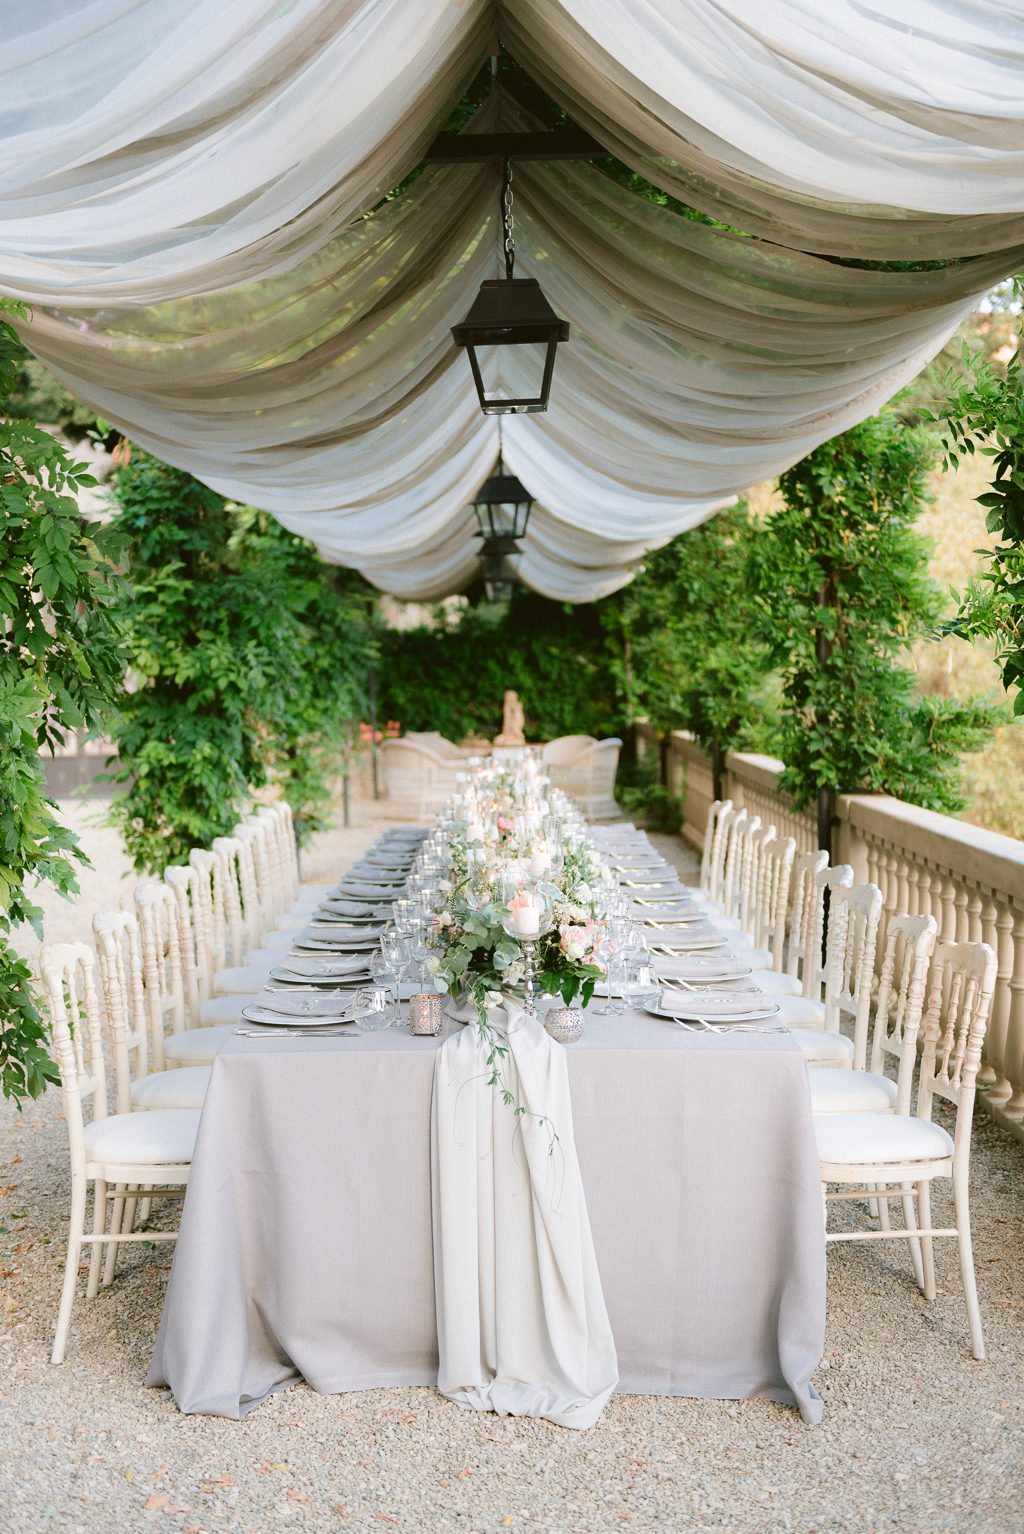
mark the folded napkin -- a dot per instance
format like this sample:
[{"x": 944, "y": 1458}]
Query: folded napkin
[
  {"x": 685, "y": 937},
  {"x": 285, "y": 1005},
  {"x": 683, "y": 910},
  {"x": 361, "y": 887},
  {"x": 698, "y": 968},
  {"x": 709, "y": 1004},
  {"x": 325, "y": 969}
]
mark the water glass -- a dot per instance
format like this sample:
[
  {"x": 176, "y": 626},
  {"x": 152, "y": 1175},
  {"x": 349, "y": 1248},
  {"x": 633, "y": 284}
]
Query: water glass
[
  {"x": 615, "y": 984},
  {"x": 371, "y": 1006},
  {"x": 640, "y": 983}
]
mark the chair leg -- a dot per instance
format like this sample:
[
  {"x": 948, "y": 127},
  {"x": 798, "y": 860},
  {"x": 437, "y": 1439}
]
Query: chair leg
[
  {"x": 116, "y": 1226},
  {"x": 913, "y": 1221},
  {"x": 924, "y": 1215},
  {"x": 99, "y": 1224},
  {"x": 67, "y": 1294},
  {"x": 966, "y": 1248},
  {"x": 883, "y": 1210}
]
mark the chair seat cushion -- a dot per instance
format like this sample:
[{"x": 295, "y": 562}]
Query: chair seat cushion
[
  {"x": 834, "y": 1090},
  {"x": 245, "y": 977},
  {"x": 151, "y": 1139},
  {"x": 197, "y": 1046},
  {"x": 801, "y": 1011},
  {"x": 728, "y": 924},
  {"x": 823, "y": 1048},
  {"x": 774, "y": 983},
  {"x": 757, "y": 958},
  {"x": 273, "y": 953},
  {"x": 184, "y": 1088},
  {"x": 225, "y": 1009},
  {"x": 861, "y": 1139},
  {"x": 285, "y": 935}
]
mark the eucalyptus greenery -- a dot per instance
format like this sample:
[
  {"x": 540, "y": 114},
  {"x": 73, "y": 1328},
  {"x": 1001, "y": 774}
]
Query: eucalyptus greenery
[
  {"x": 61, "y": 668},
  {"x": 840, "y": 583},
  {"x": 248, "y": 654}
]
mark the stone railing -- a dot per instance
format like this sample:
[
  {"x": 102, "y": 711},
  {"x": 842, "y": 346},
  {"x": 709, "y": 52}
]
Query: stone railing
[{"x": 970, "y": 880}]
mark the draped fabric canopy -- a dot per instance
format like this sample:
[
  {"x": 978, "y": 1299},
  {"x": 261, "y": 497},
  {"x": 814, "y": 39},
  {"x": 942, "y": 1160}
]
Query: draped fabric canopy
[{"x": 194, "y": 200}]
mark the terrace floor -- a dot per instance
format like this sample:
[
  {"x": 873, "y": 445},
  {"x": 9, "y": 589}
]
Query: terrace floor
[{"x": 917, "y": 1436}]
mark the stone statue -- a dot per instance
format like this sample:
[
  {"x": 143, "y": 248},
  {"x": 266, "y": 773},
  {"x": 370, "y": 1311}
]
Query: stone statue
[{"x": 512, "y": 724}]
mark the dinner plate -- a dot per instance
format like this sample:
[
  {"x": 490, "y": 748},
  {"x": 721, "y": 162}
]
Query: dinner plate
[
  {"x": 330, "y": 945},
  {"x": 700, "y": 968},
  {"x": 305, "y": 1003},
  {"x": 265, "y": 1017},
  {"x": 697, "y": 1009},
  {"x": 693, "y": 942},
  {"x": 324, "y": 969},
  {"x": 322, "y": 982}
]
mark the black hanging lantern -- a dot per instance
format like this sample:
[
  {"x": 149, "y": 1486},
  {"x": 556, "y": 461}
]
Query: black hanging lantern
[
  {"x": 512, "y": 312},
  {"x": 502, "y": 506},
  {"x": 499, "y": 573}
]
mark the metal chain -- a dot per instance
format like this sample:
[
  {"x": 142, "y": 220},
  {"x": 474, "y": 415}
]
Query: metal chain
[{"x": 506, "y": 218}]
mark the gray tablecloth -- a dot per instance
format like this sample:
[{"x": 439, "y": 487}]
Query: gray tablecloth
[{"x": 305, "y": 1248}]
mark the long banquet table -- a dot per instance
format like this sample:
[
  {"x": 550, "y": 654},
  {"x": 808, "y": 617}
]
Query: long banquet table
[{"x": 306, "y": 1252}]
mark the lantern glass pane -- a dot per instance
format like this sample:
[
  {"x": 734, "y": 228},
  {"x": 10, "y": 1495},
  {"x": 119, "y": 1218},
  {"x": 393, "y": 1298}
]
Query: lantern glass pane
[{"x": 511, "y": 373}]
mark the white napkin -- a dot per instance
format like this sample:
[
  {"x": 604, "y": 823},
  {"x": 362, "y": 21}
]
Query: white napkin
[{"x": 521, "y": 1321}]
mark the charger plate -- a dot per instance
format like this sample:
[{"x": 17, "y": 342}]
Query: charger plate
[
  {"x": 265, "y": 1017},
  {"x": 713, "y": 1007}
]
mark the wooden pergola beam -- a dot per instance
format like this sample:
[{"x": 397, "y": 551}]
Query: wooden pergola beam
[{"x": 485, "y": 148}]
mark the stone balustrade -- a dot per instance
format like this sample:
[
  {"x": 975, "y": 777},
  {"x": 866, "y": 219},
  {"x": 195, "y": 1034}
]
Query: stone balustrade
[{"x": 970, "y": 880}]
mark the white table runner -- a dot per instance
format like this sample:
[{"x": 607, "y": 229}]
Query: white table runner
[{"x": 521, "y": 1320}]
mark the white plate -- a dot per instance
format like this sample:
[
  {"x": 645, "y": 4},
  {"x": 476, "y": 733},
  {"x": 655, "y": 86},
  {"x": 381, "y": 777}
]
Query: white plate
[
  {"x": 266, "y": 1018},
  {"x": 329, "y": 945},
  {"x": 324, "y": 969},
  {"x": 709, "y": 1007},
  {"x": 691, "y": 942},
  {"x": 322, "y": 982},
  {"x": 701, "y": 969}
]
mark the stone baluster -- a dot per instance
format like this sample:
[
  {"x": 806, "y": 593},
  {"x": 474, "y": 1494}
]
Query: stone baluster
[
  {"x": 974, "y": 916},
  {"x": 914, "y": 876},
  {"x": 997, "y": 925},
  {"x": 960, "y": 902},
  {"x": 946, "y": 916},
  {"x": 902, "y": 891},
  {"x": 1013, "y": 1107}
]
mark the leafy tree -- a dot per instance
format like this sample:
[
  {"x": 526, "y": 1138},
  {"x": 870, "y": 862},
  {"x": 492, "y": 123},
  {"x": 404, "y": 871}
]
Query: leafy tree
[
  {"x": 688, "y": 655},
  {"x": 842, "y": 588},
  {"x": 60, "y": 668},
  {"x": 246, "y": 651},
  {"x": 985, "y": 413}
]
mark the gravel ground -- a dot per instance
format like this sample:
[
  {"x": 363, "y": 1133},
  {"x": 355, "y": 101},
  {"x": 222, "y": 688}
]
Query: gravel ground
[{"x": 917, "y": 1436}]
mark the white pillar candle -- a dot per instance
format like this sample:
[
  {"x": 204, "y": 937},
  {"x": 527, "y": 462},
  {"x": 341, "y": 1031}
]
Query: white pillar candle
[
  {"x": 540, "y": 862},
  {"x": 527, "y": 920},
  {"x": 474, "y": 831}
]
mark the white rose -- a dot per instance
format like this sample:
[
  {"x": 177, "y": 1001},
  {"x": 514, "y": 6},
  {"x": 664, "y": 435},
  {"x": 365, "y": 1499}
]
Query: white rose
[
  {"x": 582, "y": 892},
  {"x": 575, "y": 949}
]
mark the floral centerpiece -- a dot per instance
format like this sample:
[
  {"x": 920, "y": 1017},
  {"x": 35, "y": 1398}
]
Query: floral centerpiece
[{"x": 478, "y": 956}]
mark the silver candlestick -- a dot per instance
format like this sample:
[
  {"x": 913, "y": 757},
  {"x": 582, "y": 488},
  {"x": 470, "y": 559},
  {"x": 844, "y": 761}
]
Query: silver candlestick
[{"x": 528, "y": 980}]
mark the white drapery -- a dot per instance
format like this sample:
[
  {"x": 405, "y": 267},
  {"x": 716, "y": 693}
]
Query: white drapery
[{"x": 185, "y": 196}]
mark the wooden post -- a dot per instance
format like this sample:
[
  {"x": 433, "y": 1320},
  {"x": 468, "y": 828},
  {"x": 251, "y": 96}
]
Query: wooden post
[{"x": 372, "y": 690}]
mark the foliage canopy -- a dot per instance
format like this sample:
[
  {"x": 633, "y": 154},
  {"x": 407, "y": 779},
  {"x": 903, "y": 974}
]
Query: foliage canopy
[{"x": 61, "y": 668}]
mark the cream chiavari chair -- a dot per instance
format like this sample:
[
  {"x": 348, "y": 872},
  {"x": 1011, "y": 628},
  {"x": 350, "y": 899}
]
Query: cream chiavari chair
[
  {"x": 909, "y": 942},
  {"x": 884, "y": 1156},
  {"x": 106, "y": 1150}
]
